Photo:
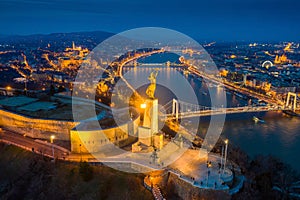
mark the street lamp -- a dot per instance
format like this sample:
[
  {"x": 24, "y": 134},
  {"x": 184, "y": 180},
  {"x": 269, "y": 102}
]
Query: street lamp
[
  {"x": 8, "y": 88},
  {"x": 143, "y": 105},
  {"x": 52, "y": 137},
  {"x": 226, "y": 151},
  {"x": 222, "y": 155},
  {"x": 80, "y": 152},
  {"x": 208, "y": 165}
]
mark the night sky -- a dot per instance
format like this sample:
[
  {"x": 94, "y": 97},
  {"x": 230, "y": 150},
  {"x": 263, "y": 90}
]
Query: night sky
[{"x": 229, "y": 20}]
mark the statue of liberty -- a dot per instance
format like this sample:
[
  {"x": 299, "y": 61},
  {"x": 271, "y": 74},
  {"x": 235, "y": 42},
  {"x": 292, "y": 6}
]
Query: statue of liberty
[{"x": 151, "y": 88}]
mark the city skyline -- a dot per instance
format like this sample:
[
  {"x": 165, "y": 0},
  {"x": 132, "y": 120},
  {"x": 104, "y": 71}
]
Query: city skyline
[
  {"x": 210, "y": 20},
  {"x": 116, "y": 99}
]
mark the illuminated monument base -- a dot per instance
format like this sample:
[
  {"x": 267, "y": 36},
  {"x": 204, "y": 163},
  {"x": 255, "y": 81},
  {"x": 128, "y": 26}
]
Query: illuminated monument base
[
  {"x": 151, "y": 115},
  {"x": 148, "y": 134}
]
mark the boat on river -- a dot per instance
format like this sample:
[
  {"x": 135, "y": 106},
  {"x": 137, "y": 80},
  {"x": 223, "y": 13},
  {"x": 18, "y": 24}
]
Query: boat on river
[{"x": 256, "y": 120}]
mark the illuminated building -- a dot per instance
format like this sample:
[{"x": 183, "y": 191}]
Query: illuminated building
[
  {"x": 41, "y": 119},
  {"x": 223, "y": 72},
  {"x": 281, "y": 59},
  {"x": 73, "y": 56},
  {"x": 288, "y": 47}
]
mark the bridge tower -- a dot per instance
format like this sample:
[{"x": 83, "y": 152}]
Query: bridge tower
[
  {"x": 294, "y": 100},
  {"x": 168, "y": 63},
  {"x": 175, "y": 108}
]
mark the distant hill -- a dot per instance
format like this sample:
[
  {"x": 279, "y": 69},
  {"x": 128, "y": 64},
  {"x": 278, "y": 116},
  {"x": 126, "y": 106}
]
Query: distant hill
[{"x": 87, "y": 39}]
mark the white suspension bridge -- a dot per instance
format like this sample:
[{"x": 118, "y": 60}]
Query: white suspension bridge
[{"x": 176, "y": 109}]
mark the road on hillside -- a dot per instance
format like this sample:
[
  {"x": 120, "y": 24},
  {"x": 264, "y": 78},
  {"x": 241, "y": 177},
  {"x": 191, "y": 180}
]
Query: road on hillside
[{"x": 30, "y": 143}]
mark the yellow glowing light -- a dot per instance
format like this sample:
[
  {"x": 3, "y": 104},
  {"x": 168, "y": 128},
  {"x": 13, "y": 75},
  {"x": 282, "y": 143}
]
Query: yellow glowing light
[
  {"x": 143, "y": 105},
  {"x": 288, "y": 47},
  {"x": 8, "y": 88},
  {"x": 226, "y": 141},
  {"x": 52, "y": 137}
]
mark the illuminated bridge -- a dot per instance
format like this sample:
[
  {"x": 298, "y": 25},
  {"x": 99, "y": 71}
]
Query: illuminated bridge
[
  {"x": 164, "y": 64},
  {"x": 168, "y": 64},
  {"x": 194, "y": 70},
  {"x": 176, "y": 108},
  {"x": 189, "y": 110}
]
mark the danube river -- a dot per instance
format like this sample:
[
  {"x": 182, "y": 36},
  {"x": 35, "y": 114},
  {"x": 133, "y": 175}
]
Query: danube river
[{"x": 278, "y": 135}]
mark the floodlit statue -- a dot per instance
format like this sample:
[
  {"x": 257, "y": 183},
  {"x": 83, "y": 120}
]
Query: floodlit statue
[{"x": 151, "y": 88}]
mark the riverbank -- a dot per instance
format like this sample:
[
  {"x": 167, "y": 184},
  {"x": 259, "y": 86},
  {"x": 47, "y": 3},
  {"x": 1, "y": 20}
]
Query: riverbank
[{"x": 266, "y": 177}]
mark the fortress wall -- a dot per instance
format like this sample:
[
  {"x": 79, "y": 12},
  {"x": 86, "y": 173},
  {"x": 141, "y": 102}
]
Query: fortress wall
[
  {"x": 64, "y": 130},
  {"x": 90, "y": 141},
  {"x": 185, "y": 190},
  {"x": 36, "y": 128}
]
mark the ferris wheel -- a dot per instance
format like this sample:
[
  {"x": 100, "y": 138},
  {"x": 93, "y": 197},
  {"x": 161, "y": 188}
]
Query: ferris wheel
[{"x": 267, "y": 64}]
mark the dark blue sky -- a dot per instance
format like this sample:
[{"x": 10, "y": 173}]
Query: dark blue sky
[{"x": 267, "y": 20}]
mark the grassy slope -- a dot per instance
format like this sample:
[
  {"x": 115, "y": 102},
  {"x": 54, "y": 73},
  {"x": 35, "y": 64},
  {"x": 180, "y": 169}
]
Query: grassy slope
[{"x": 24, "y": 175}]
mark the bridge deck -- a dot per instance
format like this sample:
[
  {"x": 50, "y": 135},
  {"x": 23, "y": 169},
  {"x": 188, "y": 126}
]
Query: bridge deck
[{"x": 219, "y": 111}]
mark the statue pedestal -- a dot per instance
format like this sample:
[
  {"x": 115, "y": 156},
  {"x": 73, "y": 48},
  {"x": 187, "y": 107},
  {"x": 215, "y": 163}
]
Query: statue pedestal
[
  {"x": 145, "y": 135},
  {"x": 151, "y": 115},
  {"x": 148, "y": 133}
]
